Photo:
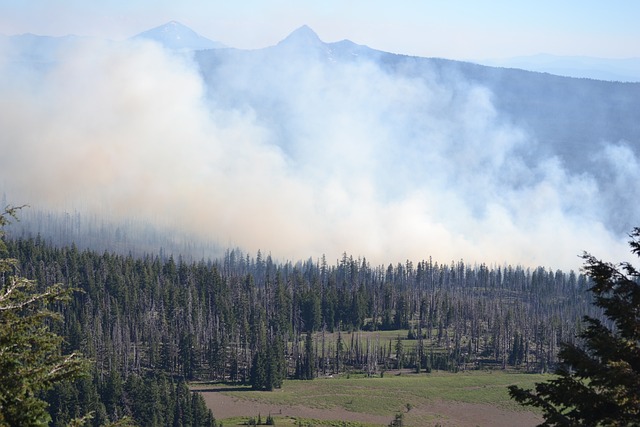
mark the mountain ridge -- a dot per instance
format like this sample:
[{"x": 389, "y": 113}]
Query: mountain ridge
[
  {"x": 303, "y": 34},
  {"x": 174, "y": 35},
  {"x": 608, "y": 69},
  {"x": 177, "y": 36}
]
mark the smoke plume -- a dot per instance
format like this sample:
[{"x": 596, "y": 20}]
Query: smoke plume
[{"x": 317, "y": 157}]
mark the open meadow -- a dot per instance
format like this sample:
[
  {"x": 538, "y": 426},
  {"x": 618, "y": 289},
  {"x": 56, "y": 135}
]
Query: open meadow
[{"x": 472, "y": 398}]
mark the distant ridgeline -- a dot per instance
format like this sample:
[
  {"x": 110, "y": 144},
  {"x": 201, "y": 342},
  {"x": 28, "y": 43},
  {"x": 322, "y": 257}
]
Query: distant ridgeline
[{"x": 251, "y": 320}]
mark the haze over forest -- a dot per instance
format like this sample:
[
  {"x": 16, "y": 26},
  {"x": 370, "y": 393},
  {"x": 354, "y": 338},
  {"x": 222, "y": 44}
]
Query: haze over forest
[{"x": 309, "y": 148}]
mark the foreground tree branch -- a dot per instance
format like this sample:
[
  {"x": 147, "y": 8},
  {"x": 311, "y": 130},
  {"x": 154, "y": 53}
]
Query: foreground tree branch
[
  {"x": 30, "y": 353},
  {"x": 598, "y": 382}
]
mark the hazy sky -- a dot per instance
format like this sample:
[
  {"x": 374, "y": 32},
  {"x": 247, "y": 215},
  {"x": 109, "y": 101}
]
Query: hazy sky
[{"x": 467, "y": 29}]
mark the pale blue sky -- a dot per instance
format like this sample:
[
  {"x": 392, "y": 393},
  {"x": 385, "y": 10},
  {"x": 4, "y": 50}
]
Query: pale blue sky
[{"x": 469, "y": 29}]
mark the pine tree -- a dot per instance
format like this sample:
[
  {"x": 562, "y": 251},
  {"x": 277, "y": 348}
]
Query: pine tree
[
  {"x": 599, "y": 382},
  {"x": 339, "y": 350},
  {"x": 258, "y": 375},
  {"x": 399, "y": 353},
  {"x": 276, "y": 364},
  {"x": 308, "y": 365}
]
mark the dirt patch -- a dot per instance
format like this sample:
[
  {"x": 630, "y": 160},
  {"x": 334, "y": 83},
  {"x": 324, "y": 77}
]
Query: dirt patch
[
  {"x": 461, "y": 414},
  {"x": 447, "y": 414},
  {"x": 224, "y": 406}
]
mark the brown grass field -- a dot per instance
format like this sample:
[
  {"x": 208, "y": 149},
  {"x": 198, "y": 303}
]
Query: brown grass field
[{"x": 474, "y": 398}]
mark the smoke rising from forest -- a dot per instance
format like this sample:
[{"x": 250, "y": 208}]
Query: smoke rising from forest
[{"x": 351, "y": 159}]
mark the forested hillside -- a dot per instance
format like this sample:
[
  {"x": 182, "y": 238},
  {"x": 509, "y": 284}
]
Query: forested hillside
[{"x": 150, "y": 323}]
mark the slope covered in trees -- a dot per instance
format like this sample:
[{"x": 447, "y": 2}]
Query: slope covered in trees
[
  {"x": 149, "y": 321},
  {"x": 44, "y": 378}
]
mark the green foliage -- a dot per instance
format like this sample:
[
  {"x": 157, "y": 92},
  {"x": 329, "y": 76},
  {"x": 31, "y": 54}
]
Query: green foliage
[
  {"x": 267, "y": 368},
  {"x": 31, "y": 360},
  {"x": 311, "y": 310},
  {"x": 258, "y": 378},
  {"x": 598, "y": 382}
]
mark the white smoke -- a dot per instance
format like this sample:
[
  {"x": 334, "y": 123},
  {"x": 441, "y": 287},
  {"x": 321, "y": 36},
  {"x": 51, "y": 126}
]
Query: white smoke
[{"x": 348, "y": 158}]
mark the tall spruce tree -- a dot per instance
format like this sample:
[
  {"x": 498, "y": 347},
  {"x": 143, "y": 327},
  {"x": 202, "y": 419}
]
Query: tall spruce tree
[
  {"x": 258, "y": 376},
  {"x": 308, "y": 364},
  {"x": 598, "y": 382}
]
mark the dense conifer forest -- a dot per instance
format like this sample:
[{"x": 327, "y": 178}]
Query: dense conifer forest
[{"x": 153, "y": 323}]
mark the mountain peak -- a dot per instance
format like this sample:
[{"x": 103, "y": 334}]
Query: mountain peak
[
  {"x": 303, "y": 36},
  {"x": 175, "y": 35}
]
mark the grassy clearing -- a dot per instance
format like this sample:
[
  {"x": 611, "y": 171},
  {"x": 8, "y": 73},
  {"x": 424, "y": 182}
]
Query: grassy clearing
[
  {"x": 382, "y": 339},
  {"x": 395, "y": 393}
]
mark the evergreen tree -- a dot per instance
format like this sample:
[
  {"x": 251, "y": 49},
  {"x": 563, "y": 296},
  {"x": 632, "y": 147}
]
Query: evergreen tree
[
  {"x": 275, "y": 364},
  {"x": 187, "y": 355},
  {"x": 258, "y": 375},
  {"x": 202, "y": 416},
  {"x": 112, "y": 393},
  {"x": 399, "y": 353},
  {"x": 517, "y": 351},
  {"x": 184, "y": 405},
  {"x": 308, "y": 365},
  {"x": 339, "y": 350},
  {"x": 599, "y": 382}
]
